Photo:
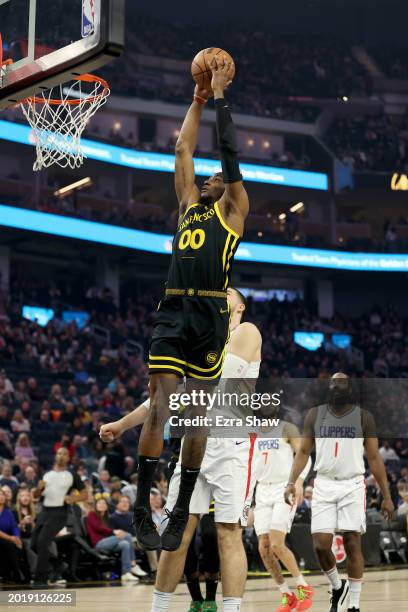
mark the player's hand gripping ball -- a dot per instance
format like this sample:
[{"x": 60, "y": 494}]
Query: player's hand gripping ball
[{"x": 203, "y": 65}]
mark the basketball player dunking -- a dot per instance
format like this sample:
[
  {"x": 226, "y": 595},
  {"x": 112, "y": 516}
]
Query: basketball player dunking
[
  {"x": 274, "y": 518},
  {"x": 192, "y": 324},
  {"x": 341, "y": 431}
]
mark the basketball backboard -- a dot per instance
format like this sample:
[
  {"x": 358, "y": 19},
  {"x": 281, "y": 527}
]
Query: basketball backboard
[{"x": 52, "y": 41}]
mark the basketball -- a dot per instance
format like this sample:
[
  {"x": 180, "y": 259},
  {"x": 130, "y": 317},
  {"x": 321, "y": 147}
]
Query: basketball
[{"x": 201, "y": 65}]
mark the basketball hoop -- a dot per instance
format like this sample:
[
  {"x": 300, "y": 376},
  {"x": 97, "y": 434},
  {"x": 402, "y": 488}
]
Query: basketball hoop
[{"x": 59, "y": 122}]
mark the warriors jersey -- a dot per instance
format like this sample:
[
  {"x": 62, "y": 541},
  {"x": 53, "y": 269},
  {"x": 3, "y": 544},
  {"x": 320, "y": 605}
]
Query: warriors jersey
[
  {"x": 339, "y": 443},
  {"x": 203, "y": 250}
]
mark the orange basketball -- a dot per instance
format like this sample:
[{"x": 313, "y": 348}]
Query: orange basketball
[{"x": 201, "y": 66}]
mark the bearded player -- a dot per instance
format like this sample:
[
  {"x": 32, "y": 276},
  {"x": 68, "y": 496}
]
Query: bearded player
[
  {"x": 341, "y": 432},
  {"x": 192, "y": 325}
]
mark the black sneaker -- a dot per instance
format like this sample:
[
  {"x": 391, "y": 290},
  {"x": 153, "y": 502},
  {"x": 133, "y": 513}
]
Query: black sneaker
[
  {"x": 146, "y": 530},
  {"x": 173, "y": 534},
  {"x": 339, "y": 597},
  {"x": 353, "y": 610}
]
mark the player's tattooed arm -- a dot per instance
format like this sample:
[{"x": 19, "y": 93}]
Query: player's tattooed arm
[
  {"x": 186, "y": 189},
  {"x": 302, "y": 456},
  {"x": 376, "y": 463}
]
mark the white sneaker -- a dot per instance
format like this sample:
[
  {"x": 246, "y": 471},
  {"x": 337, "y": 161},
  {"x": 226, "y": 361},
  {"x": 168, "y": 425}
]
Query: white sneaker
[
  {"x": 128, "y": 577},
  {"x": 137, "y": 571}
]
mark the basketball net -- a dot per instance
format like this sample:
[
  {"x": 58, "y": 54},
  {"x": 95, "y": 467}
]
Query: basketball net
[
  {"x": 59, "y": 116},
  {"x": 59, "y": 122}
]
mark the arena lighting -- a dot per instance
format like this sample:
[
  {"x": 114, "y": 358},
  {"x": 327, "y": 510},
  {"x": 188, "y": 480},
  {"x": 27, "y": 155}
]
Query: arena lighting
[
  {"x": 282, "y": 217},
  {"x": 151, "y": 242},
  {"x": 81, "y": 184},
  {"x": 299, "y": 207},
  {"x": 162, "y": 162}
]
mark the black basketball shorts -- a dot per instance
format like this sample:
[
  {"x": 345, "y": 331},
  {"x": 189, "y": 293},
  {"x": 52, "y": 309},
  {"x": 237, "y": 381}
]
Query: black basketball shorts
[{"x": 190, "y": 337}]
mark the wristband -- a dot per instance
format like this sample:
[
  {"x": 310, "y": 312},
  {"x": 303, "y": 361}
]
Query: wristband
[
  {"x": 200, "y": 100},
  {"x": 290, "y": 483}
]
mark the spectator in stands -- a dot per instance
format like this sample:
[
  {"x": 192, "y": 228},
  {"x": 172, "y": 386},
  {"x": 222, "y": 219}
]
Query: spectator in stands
[
  {"x": 6, "y": 386},
  {"x": 69, "y": 414},
  {"x": 25, "y": 515},
  {"x": 23, "y": 447},
  {"x": 130, "y": 490},
  {"x": 65, "y": 442},
  {"x": 122, "y": 518},
  {"x": 387, "y": 452},
  {"x": 19, "y": 423},
  {"x": 7, "y": 478},
  {"x": 10, "y": 543},
  {"x": 9, "y": 493},
  {"x": 29, "y": 478},
  {"x": 34, "y": 392},
  {"x": 104, "y": 481},
  {"x": 20, "y": 393},
  {"x": 105, "y": 539},
  {"x": 6, "y": 448},
  {"x": 156, "y": 505}
]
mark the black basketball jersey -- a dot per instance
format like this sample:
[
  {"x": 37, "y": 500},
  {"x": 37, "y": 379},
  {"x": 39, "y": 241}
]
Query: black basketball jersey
[{"x": 203, "y": 250}]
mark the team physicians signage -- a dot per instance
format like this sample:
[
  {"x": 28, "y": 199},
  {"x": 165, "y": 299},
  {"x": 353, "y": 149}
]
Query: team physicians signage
[
  {"x": 124, "y": 237},
  {"x": 161, "y": 162}
]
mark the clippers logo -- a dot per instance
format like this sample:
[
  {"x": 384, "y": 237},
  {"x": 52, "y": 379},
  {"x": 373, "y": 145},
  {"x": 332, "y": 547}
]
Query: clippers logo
[
  {"x": 338, "y": 549},
  {"x": 88, "y": 18}
]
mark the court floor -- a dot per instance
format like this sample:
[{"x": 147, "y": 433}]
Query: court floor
[{"x": 384, "y": 589}]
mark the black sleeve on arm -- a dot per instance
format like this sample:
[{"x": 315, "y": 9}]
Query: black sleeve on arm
[{"x": 227, "y": 142}]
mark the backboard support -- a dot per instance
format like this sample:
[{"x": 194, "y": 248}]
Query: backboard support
[{"x": 53, "y": 42}]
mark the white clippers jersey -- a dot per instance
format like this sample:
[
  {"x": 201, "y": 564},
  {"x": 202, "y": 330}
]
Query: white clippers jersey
[
  {"x": 275, "y": 458},
  {"x": 339, "y": 444}
]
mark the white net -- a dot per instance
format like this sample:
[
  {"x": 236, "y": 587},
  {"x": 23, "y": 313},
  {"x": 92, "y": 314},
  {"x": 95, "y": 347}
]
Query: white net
[{"x": 58, "y": 118}]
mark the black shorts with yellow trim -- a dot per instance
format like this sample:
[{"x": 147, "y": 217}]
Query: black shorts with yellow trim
[{"x": 189, "y": 337}]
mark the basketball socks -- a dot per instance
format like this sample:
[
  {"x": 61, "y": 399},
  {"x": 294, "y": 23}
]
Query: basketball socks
[
  {"x": 334, "y": 578},
  {"x": 285, "y": 588},
  {"x": 161, "y": 601},
  {"x": 355, "y": 592},
  {"x": 301, "y": 581},
  {"x": 188, "y": 479},
  {"x": 232, "y": 604},
  {"x": 210, "y": 589},
  {"x": 193, "y": 586},
  {"x": 147, "y": 469}
]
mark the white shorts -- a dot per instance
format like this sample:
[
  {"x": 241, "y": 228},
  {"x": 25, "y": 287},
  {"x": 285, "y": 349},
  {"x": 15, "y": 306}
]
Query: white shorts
[
  {"x": 271, "y": 510},
  {"x": 339, "y": 505},
  {"x": 226, "y": 476}
]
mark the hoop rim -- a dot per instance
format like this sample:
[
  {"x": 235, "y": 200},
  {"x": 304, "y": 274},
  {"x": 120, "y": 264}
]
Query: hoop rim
[{"x": 87, "y": 78}]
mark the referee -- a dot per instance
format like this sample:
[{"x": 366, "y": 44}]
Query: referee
[{"x": 59, "y": 488}]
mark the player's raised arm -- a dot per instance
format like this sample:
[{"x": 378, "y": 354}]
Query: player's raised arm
[
  {"x": 234, "y": 202},
  {"x": 302, "y": 456},
  {"x": 376, "y": 463},
  {"x": 186, "y": 189}
]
